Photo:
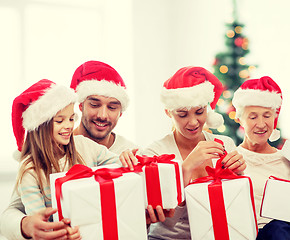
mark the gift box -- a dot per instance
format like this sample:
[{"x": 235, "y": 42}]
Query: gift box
[
  {"x": 221, "y": 206},
  {"x": 105, "y": 203},
  {"x": 276, "y": 199},
  {"x": 162, "y": 179}
]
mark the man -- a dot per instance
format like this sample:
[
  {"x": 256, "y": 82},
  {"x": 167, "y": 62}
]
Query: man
[{"x": 103, "y": 99}]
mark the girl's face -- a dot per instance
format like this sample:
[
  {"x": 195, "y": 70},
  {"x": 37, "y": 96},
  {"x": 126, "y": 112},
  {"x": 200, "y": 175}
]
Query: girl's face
[
  {"x": 189, "y": 122},
  {"x": 63, "y": 124},
  {"x": 258, "y": 123}
]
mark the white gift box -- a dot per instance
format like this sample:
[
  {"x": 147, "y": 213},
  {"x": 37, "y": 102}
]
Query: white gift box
[
  {"x": 238, "y": 206},
  {"x": 167, "y": 184},
  {"x": 82, "y": 205},
  {"x": 276, "y": 199}
]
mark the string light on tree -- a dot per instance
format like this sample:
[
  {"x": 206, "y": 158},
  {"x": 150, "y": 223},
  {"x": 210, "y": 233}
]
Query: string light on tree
[{"x": 231, "y": 67}]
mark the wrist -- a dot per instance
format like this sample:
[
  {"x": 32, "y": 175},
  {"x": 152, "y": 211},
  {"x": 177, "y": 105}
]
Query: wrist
[{"x": 23, "y": 227}]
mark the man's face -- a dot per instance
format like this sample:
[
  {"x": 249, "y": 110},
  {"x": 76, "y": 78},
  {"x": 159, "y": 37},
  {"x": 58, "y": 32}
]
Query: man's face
[{"x": 100, "y": 115}]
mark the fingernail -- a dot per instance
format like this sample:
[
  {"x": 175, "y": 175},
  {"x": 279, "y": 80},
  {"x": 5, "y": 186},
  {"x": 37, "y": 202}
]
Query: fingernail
[
  {"x": 223, "y": 167},
  {"x": 222, "y": 163}
]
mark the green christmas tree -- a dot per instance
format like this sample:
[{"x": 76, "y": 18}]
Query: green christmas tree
[{"x": 230, "y": 66}]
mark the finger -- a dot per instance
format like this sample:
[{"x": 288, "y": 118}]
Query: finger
[
  {"x": 75, "y": 233},
  {"x": 58, "y": 234},
  {"x": 169, "y": 213},
  {"x": 48, "y": 212},
  {"x": 132, "y": 157},
  {"x": 66, "y": 221},
  {"x": 134, "y": 151},
  {"x": 160, "y": 213},
  {"x": 233, "y": 160},
  {"x": 151, "y": 213},
  {"x": 230, "y": 158},
  {"x": 123, "y": 161},
  {"x": 50, "y": 225}
]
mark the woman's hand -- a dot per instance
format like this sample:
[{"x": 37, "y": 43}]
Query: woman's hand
[
  {"x": 235, "y": 162},
  {"x": 204, "y": 151},
  {"x": 128, "y": 158}
]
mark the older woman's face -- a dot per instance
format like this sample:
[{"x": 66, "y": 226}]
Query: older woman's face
[{"x": 258, "y": 123}]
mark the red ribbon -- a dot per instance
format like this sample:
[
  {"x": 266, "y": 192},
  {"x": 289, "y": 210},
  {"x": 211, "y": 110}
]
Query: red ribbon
[
  {"x": 280, "y": 179},
  {"x": 154, "y": 196},
  {"x": 218, "y": 212},
  {"x": 107, "y": 194}
]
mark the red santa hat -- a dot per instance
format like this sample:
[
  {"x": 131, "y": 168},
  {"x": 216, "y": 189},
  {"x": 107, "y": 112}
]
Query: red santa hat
[
  {"x": 191, "y": 87},
  {"x": 98, "y": 78},
  {"x": 38, "y": 104},
  {"x": 263, "y": 92}
]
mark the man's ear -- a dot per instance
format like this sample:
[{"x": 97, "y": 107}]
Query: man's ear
[{"x": 81, "y": 107}]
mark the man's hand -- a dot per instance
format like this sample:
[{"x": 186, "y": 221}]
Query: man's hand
[
  {"x": 38, "y": 227},
  {"x": 157, "y": 215}
]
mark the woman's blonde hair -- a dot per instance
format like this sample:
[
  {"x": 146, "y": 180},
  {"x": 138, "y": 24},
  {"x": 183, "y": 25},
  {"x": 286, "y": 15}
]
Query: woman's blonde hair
[{"x": 39, "y": 154}]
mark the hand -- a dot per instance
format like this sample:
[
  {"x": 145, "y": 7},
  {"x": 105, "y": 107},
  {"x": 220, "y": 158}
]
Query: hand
[
  {"x": 158, "y": 215},
  {"x": 204, "y": 151},
  {"x": 38, "y": 227},
  {"x": 128, "y": 158},
  {"x": 72, "y": 233},
  {"x": 235, "y": 162}
]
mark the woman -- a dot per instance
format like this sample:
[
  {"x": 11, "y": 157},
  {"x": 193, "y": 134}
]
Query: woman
[
  {"x": 258, "y": 103},
  {"x": 186, "y": 96}
]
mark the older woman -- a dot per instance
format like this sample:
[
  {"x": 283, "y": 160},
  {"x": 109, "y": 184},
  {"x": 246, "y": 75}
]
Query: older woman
[
  {"x": 190, "y": 96},
  {"x": 258, "y": 103}
]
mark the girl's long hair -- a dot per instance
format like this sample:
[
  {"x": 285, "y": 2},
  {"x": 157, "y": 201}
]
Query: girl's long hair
[{"x": 39, "y": 154}]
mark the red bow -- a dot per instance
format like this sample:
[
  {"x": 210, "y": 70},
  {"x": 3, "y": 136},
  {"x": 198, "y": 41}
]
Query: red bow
[{"x": 81, "y": 171}]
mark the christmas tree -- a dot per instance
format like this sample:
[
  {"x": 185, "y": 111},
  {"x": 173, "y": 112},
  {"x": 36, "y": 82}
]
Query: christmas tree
[{"x": 232, "y": 69}]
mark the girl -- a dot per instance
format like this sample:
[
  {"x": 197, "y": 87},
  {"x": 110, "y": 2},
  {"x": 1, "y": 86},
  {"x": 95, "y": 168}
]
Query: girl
[
  {"x": 186, "y": 96},
  {"x": 45, "y": 113},
  {"x": 258, "y": 103}
]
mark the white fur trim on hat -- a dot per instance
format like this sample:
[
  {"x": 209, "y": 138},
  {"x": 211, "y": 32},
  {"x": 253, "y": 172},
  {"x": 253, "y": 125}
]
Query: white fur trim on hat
[
  {"x": 253, "y": 97},
  {"x": 46, "y": 107},
  {"x": 104, "y": 88},
  {"x": 214, "y": 119},
  {"x": 198, "y": 95}
]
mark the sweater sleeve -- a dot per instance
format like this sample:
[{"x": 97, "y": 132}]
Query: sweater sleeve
[
  {"x": 94, "y": 154},
  {"x": 10, "y": 219},
  {"x": 30, "y": 193}
]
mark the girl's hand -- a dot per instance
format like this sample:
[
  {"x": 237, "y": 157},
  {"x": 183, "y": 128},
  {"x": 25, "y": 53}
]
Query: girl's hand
[
  {"x": 235, "y": 162},
  {"x": 72, "y": 233},
  {"x": 128, "y": 158}
]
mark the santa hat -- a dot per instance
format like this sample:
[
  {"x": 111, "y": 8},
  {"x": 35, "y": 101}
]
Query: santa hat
[
  {"x": 263, "y": 92},
  {"x": 191, "y": 87},
  {"x": 38, "y": 104},
  {"x": 98, "y": 78}
]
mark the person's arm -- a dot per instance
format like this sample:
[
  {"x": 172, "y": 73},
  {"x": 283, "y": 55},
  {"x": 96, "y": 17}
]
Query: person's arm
[{"x": 10, "y": 219}]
